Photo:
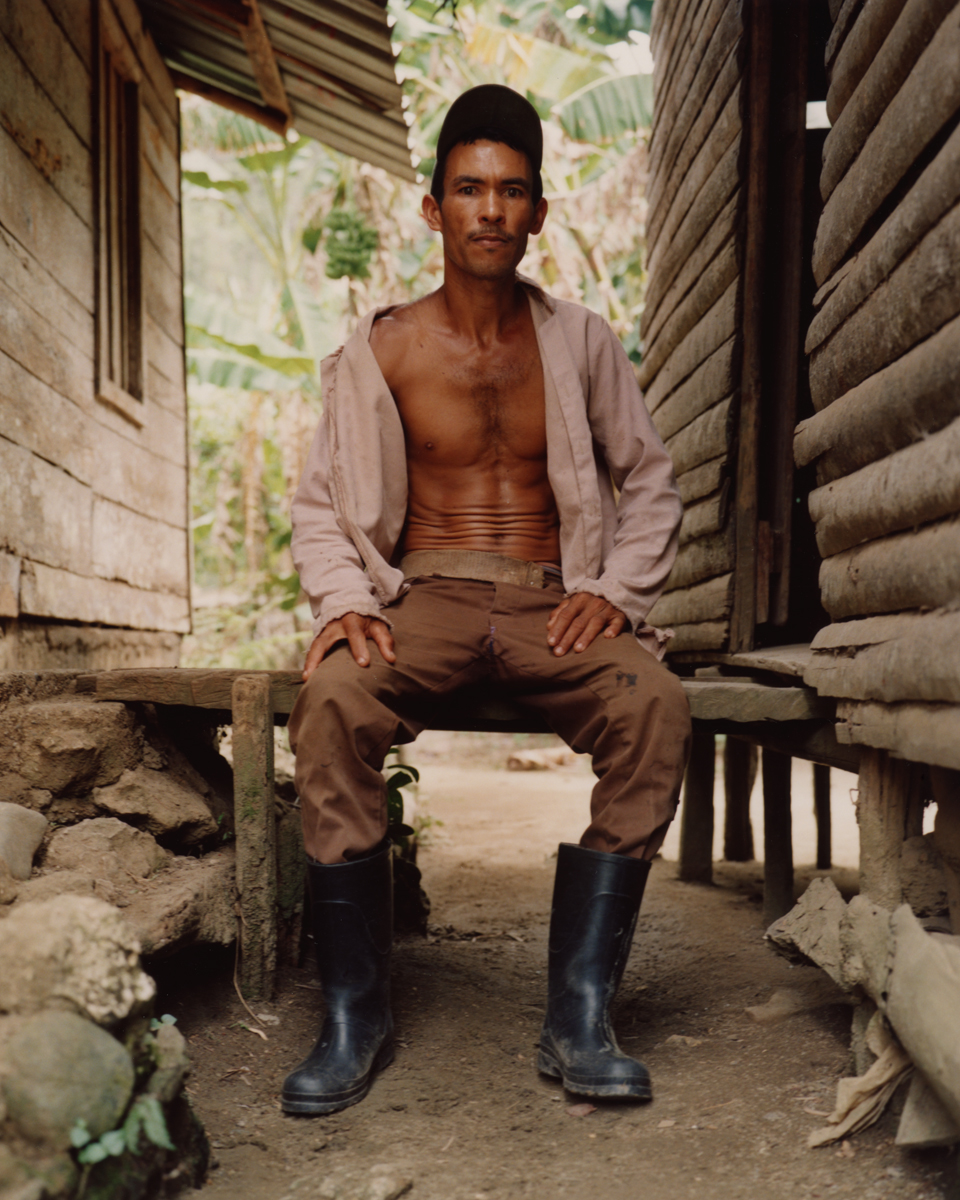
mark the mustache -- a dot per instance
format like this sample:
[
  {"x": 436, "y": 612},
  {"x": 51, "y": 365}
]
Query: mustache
[{"x": 490, "y": 233}]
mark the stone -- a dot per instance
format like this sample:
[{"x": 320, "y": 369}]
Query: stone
[
  {"x": 173, "y": 1063},
  {"x": 73, "y": 883},
  {"x": 159, "y": 803},
  {"x": 21, "y": 832},
  {"x": 14, "y": 789},
  {"x": 812, "y": 927},
  {"x": 8, "y": 885},
  {"x": 74, "y": 745},
  {"x": 72, "y": 952},
  {"x": 59, "y": 1069},
  {"x": 192, "y": 901},
  {"x": 105, "y": 847},
  {"x": 924, "y": 1121},
  {"x": 921, "y": 876}
]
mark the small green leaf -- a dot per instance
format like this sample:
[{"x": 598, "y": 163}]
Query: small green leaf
[
  {"x": 114, "y": 1142},
  {"x": 93, "y": 1153},
  {"x": 79, "y": 1134},
  {"x": 154, "y": 1122},
  {"x": 401, "y": 777},
  {"x": 202, "y": 179},
  {"x": 131, "y": 1130}
]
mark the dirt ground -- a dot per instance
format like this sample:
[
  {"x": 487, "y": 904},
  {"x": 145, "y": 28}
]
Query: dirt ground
[{"x": 462, "y": 1113}]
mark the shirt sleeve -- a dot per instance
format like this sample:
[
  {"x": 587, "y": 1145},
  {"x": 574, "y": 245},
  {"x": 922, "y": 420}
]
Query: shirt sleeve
[
  {"x": 649, "y": 508},
  {"x": 331, "y": 570}
]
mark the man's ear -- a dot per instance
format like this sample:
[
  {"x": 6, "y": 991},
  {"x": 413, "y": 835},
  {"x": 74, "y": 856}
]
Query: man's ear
[
  {"x": 539, "y": 216},
  {"x": 432, "y": 213}
]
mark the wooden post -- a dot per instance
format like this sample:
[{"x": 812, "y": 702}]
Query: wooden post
[
  {"x": 253, "y": 799},
  {"x": 739, "y": 774},
  {"x": 777, "y": 836},
  {"x": 821, "y": 810},
  {"x": 696, "y": 820},
  {"x": 888, "y": 800}
]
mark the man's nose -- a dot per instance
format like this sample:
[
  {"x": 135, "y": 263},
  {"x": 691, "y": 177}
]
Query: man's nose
[{"x": 492, "y": 207}]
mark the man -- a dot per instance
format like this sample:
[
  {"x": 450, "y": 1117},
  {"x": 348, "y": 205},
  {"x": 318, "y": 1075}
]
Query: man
[{"x": 457, "y": 524}]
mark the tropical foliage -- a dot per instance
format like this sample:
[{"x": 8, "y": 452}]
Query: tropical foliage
[{"x": 287, "y": 242}]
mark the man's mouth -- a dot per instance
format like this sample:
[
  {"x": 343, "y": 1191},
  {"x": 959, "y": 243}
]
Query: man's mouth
[{"x": 489, "y": 237}]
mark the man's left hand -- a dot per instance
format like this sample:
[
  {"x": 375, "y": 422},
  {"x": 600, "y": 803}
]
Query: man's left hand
[{"x": 578, "y": 619}]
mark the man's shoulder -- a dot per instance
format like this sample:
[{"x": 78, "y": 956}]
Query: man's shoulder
[{"x": 569, "y": 313}]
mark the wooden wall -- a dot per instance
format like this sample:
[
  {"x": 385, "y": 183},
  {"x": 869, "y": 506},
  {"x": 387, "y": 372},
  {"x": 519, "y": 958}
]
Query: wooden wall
[
  {"x": 691, "y": 326},
  {"x": 93, "y": 521},
  {"x": 884, "y": 350}
]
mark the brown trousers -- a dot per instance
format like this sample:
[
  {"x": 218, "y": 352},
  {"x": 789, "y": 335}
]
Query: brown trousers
[{"x": 614, "y": 700}]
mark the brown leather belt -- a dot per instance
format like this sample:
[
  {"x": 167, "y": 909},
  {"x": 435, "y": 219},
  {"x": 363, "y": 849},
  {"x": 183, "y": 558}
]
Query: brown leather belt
[{"x": 478, "y": 564}]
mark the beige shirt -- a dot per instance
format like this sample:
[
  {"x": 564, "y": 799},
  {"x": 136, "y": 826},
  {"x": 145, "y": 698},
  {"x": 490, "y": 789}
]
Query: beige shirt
[{"x": 349, "y": 509}]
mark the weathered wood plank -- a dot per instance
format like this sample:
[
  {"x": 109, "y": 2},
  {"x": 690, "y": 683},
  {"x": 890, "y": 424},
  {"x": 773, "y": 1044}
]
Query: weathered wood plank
[
  {"x": 253, "y": 792},
  {"x": 703, "y": 439},
  {"x": 672, "y": 76},
  {"x": 885, "y": 75},
  {"x": 164, "y": 354},
  {"x": 36, "y": 417},
  {"x": 844, "y": 14},
  {"x": 144, "y": 482},
  {"x": 28, "y": 338},
  {"x": 705, "y": 517},
  {"x": 159, "y": 154},
  {"x": 61, "y": 313},
  {"x": 51, "y": 59},
  {"x": 44, "y": 224},
  {"x": 777, "y": 836},
  {"x": 139, "y": 550},
  {"x": 720, "y": 230},
  {"x": 705, "y": 635},
  {"x": 739, "y": 774},
  {"x": 927, "y": 100},
  {"x": 703, "y": 559},
  {"x": 714, "y": 328},
  {"x": 901, "y": 659},
  {"x": 74, "y": 19},
  {"x": 710, "y": 201},
  {"x": 677, "y": 159},
  {"x": 681, "y": 190},
  {"x": 695, "y": 860},
  {"x": 191, "y": 687},
  {"x": 733, "y": 700},
  {"x": 919, "y": 296},
  {"x": 46, "y": 513},
  {"x": 163, "y": 291},
  {"x": 146, "y": 51},
  {"x": 51, "y": 144},
  {"x": 708, "y": 601},
  {"x": 934, "y": 193},
  {"x": 702, "y": 480},
  {"x": 859, "y": 50},
  {"x": 49, "y": 592},
  {"x": 906, "y": 570},
  {"x": 161, "y": 218},
  {"x": 821, "y": 811},
  {"x": 906, "y": 401},
  {"x": 927, "y": 733},
  {"x": 910, "y": 487},
  {"x": 668, "y": 59},
  {"x": 713, "y": 282},
  {"x": 886, "y": 791},
  {"x": 709, "y": 383},
  {"x": 166, "y": 395}
]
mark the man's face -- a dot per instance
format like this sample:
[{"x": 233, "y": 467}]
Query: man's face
[{"x": 488, "y": 211}]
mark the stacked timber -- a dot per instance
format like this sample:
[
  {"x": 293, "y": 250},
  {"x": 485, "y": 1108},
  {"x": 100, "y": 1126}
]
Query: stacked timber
[
  {"x": 884, "y": 350},
  {"x": 691, "y": 361}
]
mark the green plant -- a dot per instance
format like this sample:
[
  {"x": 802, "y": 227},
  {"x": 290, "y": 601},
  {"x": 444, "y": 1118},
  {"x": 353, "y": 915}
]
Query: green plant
[
  {"x": 399, "y": 775},
  {"x": 145, "y": 1116}
]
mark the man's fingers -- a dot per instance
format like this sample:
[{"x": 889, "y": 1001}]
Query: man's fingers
[
  {"x": 380, "y": 632},
  {"x": 586, "y": 616},
  {"x": 318, "y": 648},
  {"x": 355, "y": 628}
]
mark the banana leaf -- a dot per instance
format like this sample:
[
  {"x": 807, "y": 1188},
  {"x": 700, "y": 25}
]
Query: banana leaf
[{"x": 607, "y": 108}]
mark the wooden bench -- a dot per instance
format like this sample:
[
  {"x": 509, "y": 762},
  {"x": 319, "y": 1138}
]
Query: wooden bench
[{"x": 787, "y": 721}]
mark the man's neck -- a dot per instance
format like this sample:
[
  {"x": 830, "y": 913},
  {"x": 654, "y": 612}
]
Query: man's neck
[{"x": 480, "y": 308}]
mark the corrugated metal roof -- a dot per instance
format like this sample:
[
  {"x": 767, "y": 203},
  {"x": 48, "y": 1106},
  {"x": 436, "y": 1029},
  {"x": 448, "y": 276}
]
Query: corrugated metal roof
[{"x": 336, "y": 67}]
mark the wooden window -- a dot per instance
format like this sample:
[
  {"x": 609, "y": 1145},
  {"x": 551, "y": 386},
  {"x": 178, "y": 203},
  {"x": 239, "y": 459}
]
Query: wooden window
[{"x": 119, "y": 296}]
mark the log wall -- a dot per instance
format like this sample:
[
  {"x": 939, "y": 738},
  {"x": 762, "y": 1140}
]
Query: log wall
[
  {"x": 691, "y": 325},
  {"x": 884, "y": 351},
  {"x": 93, "y": 534}
]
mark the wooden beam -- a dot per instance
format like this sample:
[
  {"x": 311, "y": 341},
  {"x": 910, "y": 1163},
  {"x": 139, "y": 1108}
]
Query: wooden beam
[
  {"x": 271, "y": 118},
  {"x": 739, "y": 774},
  {"x": 777, "y": 836},
  {"x": 821, "y": 808},
  {"x": 265, "y": 69},
  {"x": 696, "y": 817},
  {"x": 256, "y": 827}
]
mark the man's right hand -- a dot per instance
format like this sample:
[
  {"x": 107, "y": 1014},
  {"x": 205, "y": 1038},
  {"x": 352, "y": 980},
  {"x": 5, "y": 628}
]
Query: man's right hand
[{"x": 355, "y": 630}]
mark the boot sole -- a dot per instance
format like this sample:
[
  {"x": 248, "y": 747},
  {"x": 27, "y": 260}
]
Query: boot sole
[
  {"x": 548, "y": 1065},
  {"x": 317, "y": 1106}
]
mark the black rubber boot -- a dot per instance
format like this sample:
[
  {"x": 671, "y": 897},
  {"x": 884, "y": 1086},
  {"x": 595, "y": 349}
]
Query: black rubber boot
[
  {"x": 596, "y": 898},
  {"x": 352, "y": 911}
]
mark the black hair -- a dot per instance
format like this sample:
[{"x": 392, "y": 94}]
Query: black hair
[{"x": 485, "y": 133}]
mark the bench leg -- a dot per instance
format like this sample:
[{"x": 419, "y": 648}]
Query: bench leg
[
  {"x": 777, "y": 836},
  {"x": 253, "y": 799},
  {"x": 739, "y": 773},
  {"x": 821, "y": 809},
  {"x": 696, "y": 819}
]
